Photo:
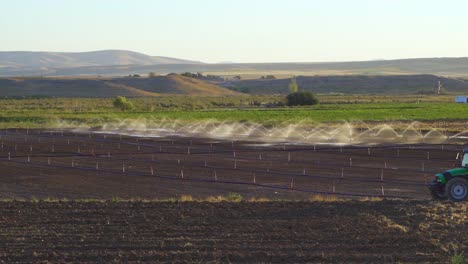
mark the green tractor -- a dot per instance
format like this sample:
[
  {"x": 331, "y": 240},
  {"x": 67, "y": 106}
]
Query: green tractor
[{"x": 452, "y": 184}]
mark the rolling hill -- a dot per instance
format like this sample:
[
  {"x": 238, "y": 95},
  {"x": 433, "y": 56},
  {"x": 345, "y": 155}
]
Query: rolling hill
[
  {"x": 122, "y": 63},
  {"x": 393, "y": 84},
  {"x": 46, "y": 60},
  {"x": 108, "y": 87}
]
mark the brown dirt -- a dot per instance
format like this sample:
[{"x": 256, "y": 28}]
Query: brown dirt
[
  {"x": 277, "y": 232},
  {"x": 52, "y": 164}
]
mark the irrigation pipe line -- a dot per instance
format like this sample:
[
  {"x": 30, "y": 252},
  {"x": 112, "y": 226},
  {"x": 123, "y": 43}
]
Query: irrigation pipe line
[
  {"x": 319, "y": 163},
  {"x": 210, "y": 181},
  {"x": 273, "y": 173},
  {"x": 334, "y": 151},
  {"x": 328, "y": 148}
]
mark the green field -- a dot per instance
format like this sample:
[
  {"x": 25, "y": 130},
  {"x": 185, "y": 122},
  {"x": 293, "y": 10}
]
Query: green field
[{"x": 34, "y": 113}]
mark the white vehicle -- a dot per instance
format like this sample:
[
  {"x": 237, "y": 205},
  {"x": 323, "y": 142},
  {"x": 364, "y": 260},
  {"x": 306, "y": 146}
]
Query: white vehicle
[{"x": 463, "y": 99}]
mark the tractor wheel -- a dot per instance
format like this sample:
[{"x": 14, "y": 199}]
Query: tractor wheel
[
  {"x": 457, "y": 189},
  {"x": 438, "y": 195}
]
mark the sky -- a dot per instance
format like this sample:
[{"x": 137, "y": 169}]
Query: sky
[{"x": 241, "y": 30}]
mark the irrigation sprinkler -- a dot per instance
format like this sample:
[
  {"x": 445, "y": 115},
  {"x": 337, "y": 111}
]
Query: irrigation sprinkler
[
  {"x": 151, "y": 170},
  {"x": 289, "y": 157},
  {"x": 423, "y": 169},
  {"x": 123, "y": 167},
  {"x": 383, "y": 191},
  {"x": 368, "y": 151},
  {"x": 215, "y": 175},
  {"x": 49, "y": 161},
  {"x": 29, "y": 158},
  {"x": 182, "y": 173},
  {"x": 254, "y": 178},
  {"x": 398, "y": 152},
  {"x": 291, "y": 184},
  {"x": 381, "y": 174},
  {"x": 235, "y": 164},
  {"x": 9, "y": 156},
  {"x": 342, "y": 173},
  {"x": 188, "y": 150},
  {"x": 428, "y": 155},
  {"x": 350, "y": 162}
]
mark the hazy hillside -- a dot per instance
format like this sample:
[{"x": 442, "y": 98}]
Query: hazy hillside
[
  {"x": 122, "y": 63},
  {"x": 108, "y": 87},
  {"x": 44, "y": 60},
  {"x": 397, "y": 84}
]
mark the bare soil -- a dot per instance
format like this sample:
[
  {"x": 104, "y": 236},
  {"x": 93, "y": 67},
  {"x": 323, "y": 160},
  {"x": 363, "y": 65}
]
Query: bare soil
[{"x": 247, "y": 232}]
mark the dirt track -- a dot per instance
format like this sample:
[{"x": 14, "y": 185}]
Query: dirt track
[{"x": 279, "y": 232}]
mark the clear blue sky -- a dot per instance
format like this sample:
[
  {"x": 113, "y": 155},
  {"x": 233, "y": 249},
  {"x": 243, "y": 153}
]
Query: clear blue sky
[{"x": 241, "y": 30}]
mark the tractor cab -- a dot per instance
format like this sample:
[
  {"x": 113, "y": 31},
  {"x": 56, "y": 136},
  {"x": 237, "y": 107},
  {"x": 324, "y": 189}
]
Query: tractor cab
[
  {"x": 464, "y": 160},
  {"x": 452, "y": 184}
]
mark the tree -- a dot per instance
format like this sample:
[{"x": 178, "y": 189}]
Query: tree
[
  {"x": 293, "y": 88},
  {"x": 151, "y": 74},
  {"x": 123, "y": 104},
  {"x": 301, "y": 98}
]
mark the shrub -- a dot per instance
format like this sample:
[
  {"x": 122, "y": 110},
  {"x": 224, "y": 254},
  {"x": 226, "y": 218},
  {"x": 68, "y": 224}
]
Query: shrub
[
  {"x": 234, "y": 197},
  {"x": 123, "y": 104},
  {"x": 302, "y": 98}
]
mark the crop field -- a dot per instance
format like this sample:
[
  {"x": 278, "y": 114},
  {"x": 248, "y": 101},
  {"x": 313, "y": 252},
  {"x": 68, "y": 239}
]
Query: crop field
[
  {"x": 266, "y": 110},
  {"x": 67, "y": 164},
  {"x": 245, "y": 232},
  {"x": 71, "y": 196}
]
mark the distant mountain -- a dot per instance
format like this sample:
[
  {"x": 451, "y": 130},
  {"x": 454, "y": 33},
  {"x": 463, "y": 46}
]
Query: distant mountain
[
  {"x": 46, "y": 60},
  {"x": 121, "y": 63},
  {"x": 109, "y": 87}
]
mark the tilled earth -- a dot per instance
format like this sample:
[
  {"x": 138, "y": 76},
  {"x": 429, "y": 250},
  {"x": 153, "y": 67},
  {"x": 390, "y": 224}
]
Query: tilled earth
[
  {"x": 389, "y": 231},
  {"x": 60, "y": 164}
]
